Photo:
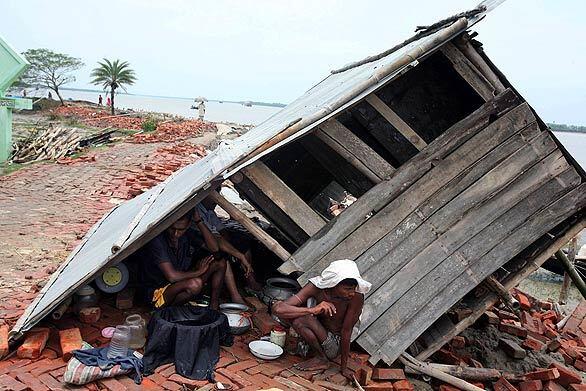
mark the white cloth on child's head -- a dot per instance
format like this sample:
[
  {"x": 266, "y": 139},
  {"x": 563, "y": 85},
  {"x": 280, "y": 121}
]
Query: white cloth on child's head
[{"x": 338, "y": 271}]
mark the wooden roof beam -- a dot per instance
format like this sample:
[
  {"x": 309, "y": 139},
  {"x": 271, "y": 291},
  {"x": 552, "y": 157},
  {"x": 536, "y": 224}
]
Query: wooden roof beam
[{"x": 397, "y": 122}]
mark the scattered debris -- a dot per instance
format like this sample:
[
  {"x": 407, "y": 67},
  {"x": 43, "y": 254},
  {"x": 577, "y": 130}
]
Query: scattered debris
[{"x": 51, "y": 143}]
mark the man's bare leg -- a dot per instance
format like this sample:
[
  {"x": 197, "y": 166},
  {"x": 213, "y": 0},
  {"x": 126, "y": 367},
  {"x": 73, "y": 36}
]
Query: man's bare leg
[
  {"x": 231, "y": 285},
  {"x": 217, "y": 273},
  {"x": 314, "y": 333},
  {"x": 183, "y": 291}
]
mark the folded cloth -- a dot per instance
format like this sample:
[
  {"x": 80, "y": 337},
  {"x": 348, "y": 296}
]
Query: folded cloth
[
  {"x": 338, "y": 271},
  {"x": 98, "y": 357}
]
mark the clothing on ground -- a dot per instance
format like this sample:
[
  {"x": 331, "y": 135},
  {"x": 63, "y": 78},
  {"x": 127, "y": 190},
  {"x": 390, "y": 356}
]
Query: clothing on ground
[
  {"x": 98, "y": 357},
  {"x": 210, "y": 219}
]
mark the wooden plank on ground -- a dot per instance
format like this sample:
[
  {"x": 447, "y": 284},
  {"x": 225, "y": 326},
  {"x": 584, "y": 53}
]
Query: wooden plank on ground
[
  {"x": 430, "y": 271},
  {"x": 285, "y": 198},
  {"x": 380, "y": 195},
  {"x": 397, "y": 122},
  {"x": 468, "y": 71},
  {"x": 358, "y": 148},
  {"x": 516, "y": 240},
  {"x": 406, "y": 203}
]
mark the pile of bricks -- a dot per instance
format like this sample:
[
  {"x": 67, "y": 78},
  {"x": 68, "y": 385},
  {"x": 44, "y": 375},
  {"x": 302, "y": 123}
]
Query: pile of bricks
[
  {"x": 173, "y": 131},
  {"x": 163, "y": 163},
  {"x": 73, "y": 160},
  {"x": 533, "y": 328}
]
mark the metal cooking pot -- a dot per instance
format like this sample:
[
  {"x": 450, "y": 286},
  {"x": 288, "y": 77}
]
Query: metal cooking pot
[{"x": 279, "y": 288}]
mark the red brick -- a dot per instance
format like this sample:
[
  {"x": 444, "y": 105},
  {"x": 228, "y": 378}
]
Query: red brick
[
  {"x": 172, "y": 386},
  {"x": 543, "y": 374},
  {"x": 458, "y": 342},
  {"x": 506, "y": 314},
  {"x": 388, "y": 374},
  {"x": 513, "y": 330},
  {"x": 112, "y": 384},
  {"x": 511, "y": 348},
  {"x": 577, "y": 387},
  {"x": 545, "y": 305},
  {"x": 403, "y": 385},
  {"x": 129, "y": 383},
  {"x": 225, "y": 361},
  {"x": 567, "y": 375},
  {"x": 580, "y": 365},
  {"x": 9, "y": 383},
  {"x": 50, "y": 382},
  {"x": 364, "y": 375},
  {"x": 503, "y": 384},
  {"x": 523, "y": 300},
  {"x": 530, "y": 323},
  {"x": 33, "y": 344},
  {"x": 31, "y": 381},
  {"x": 69, "y": 340},
  {"x": 552, "y": 386},
  {"x": 3, "y": 340},
  {"x": 48, "y": 366},
  {"x": 380, "y": 386},
  {"x": 532, "y": 344},
  {"x": 168, "y": 371},
  {"x": 305, "y": 383},
  {"x": 531, "y": 385},
  {"x": 148, "y": 384},
  {"x": 262, "y": 380},
  {"x": 242, "y": 365},
  {"x": 554, "y": 345},
  {"x": 183, "y": 380},
  {"x": 447, "y": 387},
  {"x": 264, "y": 322},
  {"x": 234, "y": 377},
  {"x": 491, "y": 318},
  {"x": 448, "y": 357},
  {"x": 90, "y": 315}
]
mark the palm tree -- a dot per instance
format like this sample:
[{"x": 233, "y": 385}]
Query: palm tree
[{"x": 113, "y": 74}]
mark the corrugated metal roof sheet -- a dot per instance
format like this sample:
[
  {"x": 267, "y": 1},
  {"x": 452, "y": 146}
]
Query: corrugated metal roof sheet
[{"x": 330, "y": 96}]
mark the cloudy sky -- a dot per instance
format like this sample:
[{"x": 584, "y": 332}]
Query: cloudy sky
[{"x": 273, "y": 51}]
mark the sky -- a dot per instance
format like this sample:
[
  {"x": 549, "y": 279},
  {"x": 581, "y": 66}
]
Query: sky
[{"x": 273, "y": 51}]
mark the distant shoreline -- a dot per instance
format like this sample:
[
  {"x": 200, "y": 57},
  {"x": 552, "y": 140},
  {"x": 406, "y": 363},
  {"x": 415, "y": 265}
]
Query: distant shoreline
[{"x": 255, "y": 103}]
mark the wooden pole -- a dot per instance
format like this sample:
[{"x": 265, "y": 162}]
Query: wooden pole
[
  {"x": 567, "y": 280},
  {"x": 571, "y": 270},
  {"x": 503, "y": 293},
  {"x": 254, "y": 229},
  {"x": 470, "y": 373},
  {"x": 427, "y": 369}
]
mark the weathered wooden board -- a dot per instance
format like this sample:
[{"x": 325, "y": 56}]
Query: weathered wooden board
[
  {"x": 407, "y": 290},
  {"x": 355, "y": 182},
  {"x": 379, "y": 196},
  {"x": 406, "y": 203},
  {"x": 513, "y": 243},
  {"x": 396, "y": 121},
  {"x": 358, "y": 148},
  {"x": 285, "y": 198},
  {"x": 464, "y": 216},
  {"x": 273, "y": 213},
  {"x": 468, "y": 71}
]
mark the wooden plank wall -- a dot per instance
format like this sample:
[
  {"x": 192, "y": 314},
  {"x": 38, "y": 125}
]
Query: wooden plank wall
[{"x": 446, "y": 220}]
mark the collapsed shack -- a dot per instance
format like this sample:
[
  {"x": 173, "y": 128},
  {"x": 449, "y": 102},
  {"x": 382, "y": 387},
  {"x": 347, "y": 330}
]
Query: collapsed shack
[{"x": 457, "y": 182}]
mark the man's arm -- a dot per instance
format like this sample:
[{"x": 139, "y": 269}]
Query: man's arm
[
  {"x": 352, "y": 315},
  {"x": 208, "y": 237},
  {"x": 290, "y": 308},
  {"x": 172, "y": 275},
  {"x": 227, "y": 247}
]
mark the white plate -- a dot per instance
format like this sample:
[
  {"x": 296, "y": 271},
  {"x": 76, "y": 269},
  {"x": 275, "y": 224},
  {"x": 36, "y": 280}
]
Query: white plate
[{"x": 265, "y": 350}]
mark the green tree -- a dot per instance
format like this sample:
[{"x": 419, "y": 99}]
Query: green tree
[
  {"x": 113, "y": 74},
  {"x": 50, "y": 69}
]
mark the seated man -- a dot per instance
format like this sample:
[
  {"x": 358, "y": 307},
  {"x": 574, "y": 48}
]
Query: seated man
[
  {"x": 240, "y": 252},
  {"x": 327, "y": 327},
  {"x": 168, "y": 275}
]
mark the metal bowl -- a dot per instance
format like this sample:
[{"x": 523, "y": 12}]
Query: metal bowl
[
  {"x": 233, "y": 308},
  {"x": 265, "y": 350},
  {"x": 238, "y": 323},
  {"x": 279, "y": 288}
]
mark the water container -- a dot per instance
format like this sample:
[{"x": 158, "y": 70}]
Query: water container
[
  {"x": 119, "y": 343},
  {"x": 137, "y": 327},
  {"x": 85, "y": 297}
]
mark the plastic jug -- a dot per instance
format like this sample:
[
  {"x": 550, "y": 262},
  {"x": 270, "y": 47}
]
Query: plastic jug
[
  {"x": 137, "y": 327},
  {"x": 120, "y": 342}
]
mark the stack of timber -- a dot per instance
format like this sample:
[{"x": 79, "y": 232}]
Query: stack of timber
[
  {"x": 468, "y": 203},
  {"x": 47, "y": 144}
]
